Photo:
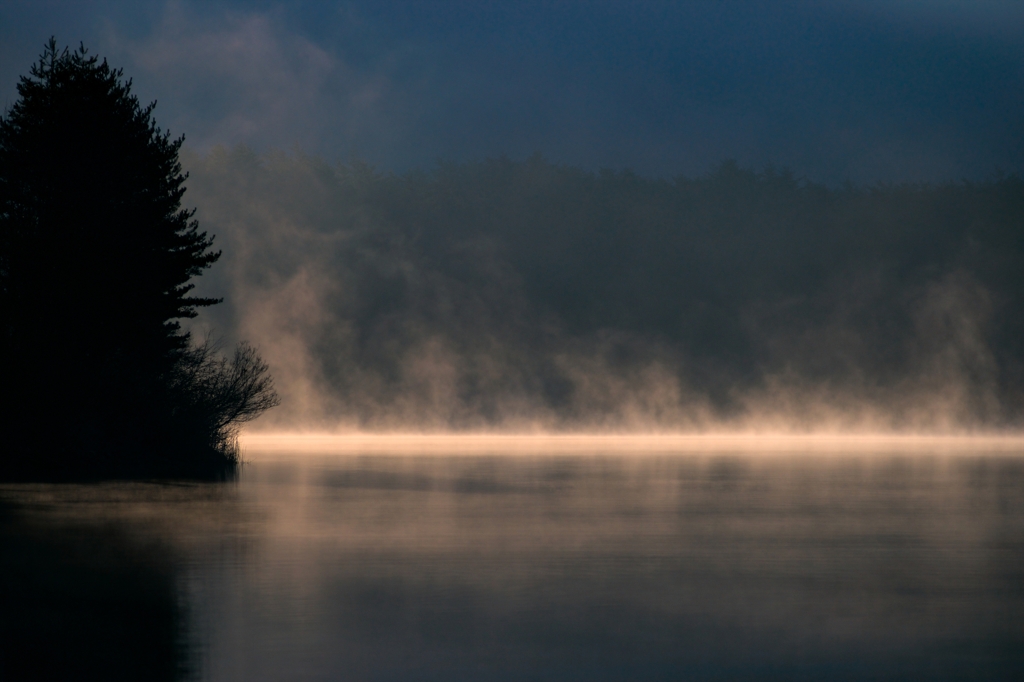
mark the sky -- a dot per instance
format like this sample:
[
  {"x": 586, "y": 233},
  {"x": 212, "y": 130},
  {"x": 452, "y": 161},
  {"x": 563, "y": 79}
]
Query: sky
[
  {"x": 860, "y": 90},
  {"x": 515, "y": 291}
]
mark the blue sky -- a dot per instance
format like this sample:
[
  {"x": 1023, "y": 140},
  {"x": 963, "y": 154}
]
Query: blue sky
[{"x": 863, "y": 90}]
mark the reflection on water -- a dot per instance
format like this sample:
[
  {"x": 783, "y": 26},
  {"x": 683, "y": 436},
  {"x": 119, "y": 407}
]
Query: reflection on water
[
  {"x": 722, "y": 565},
  {"x": 86, "y": 601}
]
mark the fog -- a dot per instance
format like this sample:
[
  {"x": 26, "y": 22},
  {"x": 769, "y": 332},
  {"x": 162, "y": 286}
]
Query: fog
[
  {"x": 542, "y": 293},
  {"x": 506, "y": 295}
]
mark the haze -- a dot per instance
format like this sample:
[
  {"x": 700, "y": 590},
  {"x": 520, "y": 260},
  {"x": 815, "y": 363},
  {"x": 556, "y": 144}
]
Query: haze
[
  {"x": 596, "y": 216},
  {"x": 863, "y": 90}
]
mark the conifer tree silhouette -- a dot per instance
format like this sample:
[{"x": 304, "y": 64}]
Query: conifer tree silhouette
[{"x": 96, "y": 261}]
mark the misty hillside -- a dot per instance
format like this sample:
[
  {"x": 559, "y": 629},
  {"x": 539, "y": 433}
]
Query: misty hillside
[{"x": 527, "y": 294}]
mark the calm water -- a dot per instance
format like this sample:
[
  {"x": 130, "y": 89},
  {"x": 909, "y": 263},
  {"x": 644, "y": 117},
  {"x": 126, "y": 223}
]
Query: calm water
[{"x": 628, "y": 566}]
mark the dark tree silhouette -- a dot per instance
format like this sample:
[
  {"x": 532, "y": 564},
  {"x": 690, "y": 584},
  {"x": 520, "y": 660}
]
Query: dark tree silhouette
[{"x": 96, "y": 261}]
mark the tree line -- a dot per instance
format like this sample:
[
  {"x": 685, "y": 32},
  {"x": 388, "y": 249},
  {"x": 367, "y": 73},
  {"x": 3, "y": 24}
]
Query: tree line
[{"x": 458, "y": 295}]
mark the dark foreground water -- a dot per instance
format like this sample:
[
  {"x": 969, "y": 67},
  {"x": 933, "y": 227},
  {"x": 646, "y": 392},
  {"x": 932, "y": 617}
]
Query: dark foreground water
[{"x": 724, "y": 566}]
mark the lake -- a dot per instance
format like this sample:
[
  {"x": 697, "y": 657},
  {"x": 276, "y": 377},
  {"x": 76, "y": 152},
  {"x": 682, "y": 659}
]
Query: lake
[{"x": 542, "y": 559}]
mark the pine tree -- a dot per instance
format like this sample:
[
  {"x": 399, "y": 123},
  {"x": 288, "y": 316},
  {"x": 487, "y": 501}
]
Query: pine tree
[{"x": 96, "y": 261}]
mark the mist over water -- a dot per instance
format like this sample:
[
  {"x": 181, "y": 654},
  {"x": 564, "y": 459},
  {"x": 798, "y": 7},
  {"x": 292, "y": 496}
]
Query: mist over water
[
  {"x": 525, "y": 295},
  {"x": 741, "y": 563},
  {"x": 540, "y": 421}
]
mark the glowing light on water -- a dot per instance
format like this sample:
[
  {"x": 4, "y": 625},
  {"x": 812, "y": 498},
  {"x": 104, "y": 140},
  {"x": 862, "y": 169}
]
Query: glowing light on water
[{"x": 584, "y": 443}]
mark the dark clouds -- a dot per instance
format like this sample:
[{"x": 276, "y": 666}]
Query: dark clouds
[{"x": 862, "y": 89}]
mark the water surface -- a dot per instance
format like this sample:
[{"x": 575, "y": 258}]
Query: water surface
[{"x": 729, "y": 563}]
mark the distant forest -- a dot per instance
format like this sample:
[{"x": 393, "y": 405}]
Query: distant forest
[{"x": 508, "y": 293}]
